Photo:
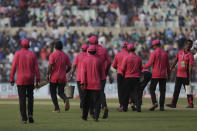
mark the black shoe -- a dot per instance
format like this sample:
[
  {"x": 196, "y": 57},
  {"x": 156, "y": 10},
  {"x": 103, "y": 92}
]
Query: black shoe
[
  {"x": 96, "y": 120},
  {"x": 133, "y": 108},
  {"x": 190, "y": 106},
  {"x": 171, "y": 105},
  {"x": 138, "y": 109},
  {"x": 162, "y": 108},
  {"x": 31, "y": 120},
  {"x": 105, "y": 115},
  {"x": 84, "y": 118},
  {"x": 153, "y": 107}
]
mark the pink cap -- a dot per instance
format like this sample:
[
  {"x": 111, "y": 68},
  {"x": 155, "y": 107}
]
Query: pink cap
[
  {"x": 92, "y": 48},
  {"x": 155, "y": 42},
  {"x": 125, "y": 43},
  {"x": 93, "y": 40},
  {"x": 85, "y": 46},
  {"x": 25, "y": 43},
  {"x": 130, "y": 46}
]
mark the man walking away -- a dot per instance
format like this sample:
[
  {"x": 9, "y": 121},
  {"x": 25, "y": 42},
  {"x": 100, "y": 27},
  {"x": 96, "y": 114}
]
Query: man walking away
[
  {"x": 77, "y": 64},
  {"x": 91, "y": 83},
  {"x": 117, "y": 65},
  {"x": 26, "y": 65},
  {"x": 161, "y": 68},
  {"x": 59, "y": 65},
  {"x": 131, "y": 68}
]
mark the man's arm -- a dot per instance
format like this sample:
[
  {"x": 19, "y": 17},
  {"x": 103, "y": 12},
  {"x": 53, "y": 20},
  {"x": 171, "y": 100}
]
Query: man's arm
[
  {"x": 72, "y": 72},
  {"x": 13, "y": 69},
  {"x": 49, "y": 71},
  {"x": 150, "y": 62},
  {"x": 37, "y": 71},
  {"x": 115, "y": 63}
]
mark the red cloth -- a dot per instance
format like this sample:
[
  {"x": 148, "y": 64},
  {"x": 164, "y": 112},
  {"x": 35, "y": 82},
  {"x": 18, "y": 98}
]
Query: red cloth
[
  {"x": 91, "y": 72},
  {"x": 25, "y": 62},
  {"x": 105, "y": 58},
  {"x": 78, "y": 62},
  {"x": 160, "y": 61},
  {"x": 131, "y": 66},
  {"x": 184, "y": 60},
  {"x": 118, "y": 60},
  {"x": 60, "y": 62}
]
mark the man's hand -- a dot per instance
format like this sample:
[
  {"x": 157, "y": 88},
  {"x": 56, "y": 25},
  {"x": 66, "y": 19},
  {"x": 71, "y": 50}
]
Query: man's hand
[
  {"x": 12, "y": 83},
  {"x": 70, "y": 78},
  {"x": 82, "y": 87},
  {"x": 47, "y": 78},
  {"x": 111, "y": 80},
  {"x": 37, "y": 85}
]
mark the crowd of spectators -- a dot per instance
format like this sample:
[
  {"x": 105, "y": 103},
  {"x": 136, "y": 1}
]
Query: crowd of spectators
[
  {"x": 109, "y": 13},
  {"x": 42, "y": 44}
]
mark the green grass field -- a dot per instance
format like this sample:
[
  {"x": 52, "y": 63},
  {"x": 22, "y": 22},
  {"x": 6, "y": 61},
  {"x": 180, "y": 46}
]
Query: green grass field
[{"x": 179, "y": 119}]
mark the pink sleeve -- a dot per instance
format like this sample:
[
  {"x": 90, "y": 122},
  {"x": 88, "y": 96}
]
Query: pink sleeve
[
  {"x": 115, "y": 63},
  {"x": 51, "y": 59},
  {"x": 108, "y": 61},
  {"x": 150, "y": 62},
  {"x": 177, "y": 56},
  {"x": 191, "y": 59},
  {"x": 14, "y": 67},
  {"x": 83, "y": 73},
  {"x": 68, "y": 61},
  {"x": 75, "y": 62},
  {"x": 123, "y": 66},
  {"x": 37, "y": 70}
]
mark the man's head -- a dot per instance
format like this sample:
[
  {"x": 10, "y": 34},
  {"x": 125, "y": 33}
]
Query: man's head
[
  {"x": 155, "y": 44},
  {"x": 58, "y": 45},
  {"x": 93, "y": 40},
  {"x": 130, "y": 48},
  {"x": 25, "y": 43},
  {"x": 84, "y": 47},
  {"x": 125, "y": 45},
  {"x": 92, "y": 49},
  {"x": 188, "y": 44}
]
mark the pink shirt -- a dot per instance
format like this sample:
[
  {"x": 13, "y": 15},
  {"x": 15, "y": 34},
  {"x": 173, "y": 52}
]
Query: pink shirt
[
  {"x": 160, "y": 62},
  {"x": 184, "y": 60},
  {"x": 60, "y": 62},
  {"x": 118, "y": 60},
  {"x": 78, "y": 62},
  {"x": 105, "y": 58},
  {"x": 25, "y": 62},
  {"x": 91, "y": 72},
  {"x": 131, "y": 66}
]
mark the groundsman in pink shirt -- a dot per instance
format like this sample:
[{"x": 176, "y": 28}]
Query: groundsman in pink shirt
[
  {"x": 161, "y": 71},
  {"x": 77, "y": 64},
  {"x": 91, "y": 76},
  {"x": 185, "y": 60},
  {"x": 26, "y": 65},
  {"x": 59, "y": 66}
]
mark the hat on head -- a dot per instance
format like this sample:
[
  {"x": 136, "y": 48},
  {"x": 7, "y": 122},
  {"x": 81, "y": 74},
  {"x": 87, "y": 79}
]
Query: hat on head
[
  {"x": 125, "y": 43},
  {"x": 130, "y": 47},
  {"x": 85, "y": 46},
  {"x": 155, "y": 42},
  {"x": 25, "y": 43},
  {"x": 93, "y": 40},
  {"x": 92, "y": 48}
]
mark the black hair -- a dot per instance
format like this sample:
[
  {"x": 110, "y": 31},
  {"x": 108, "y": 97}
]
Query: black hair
[
  {"x": 189, "y": 41},
  {"x": 58, "y": 45},
  {"x": 92, "y": 52}
]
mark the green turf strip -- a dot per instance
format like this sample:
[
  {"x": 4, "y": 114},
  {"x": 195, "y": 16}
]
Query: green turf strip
[{"x": 180, "y": 119}]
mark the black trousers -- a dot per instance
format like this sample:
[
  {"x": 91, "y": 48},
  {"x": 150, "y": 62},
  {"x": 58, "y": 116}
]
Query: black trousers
[
  {"x": 103, "y": 97},
  {"x": 162, "y": 89},
  {"x": 178, "y": 84},
  {"x": 54, "y": 87},
  {"x": 91, "y": 100},
  {"x": 146, "y": 77},
  {"x": 80, "y": 94},
  {"x": 130, "y": 86},
  {"x": 120, "y": 80},
  {"x": 23, "y": 92}
]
